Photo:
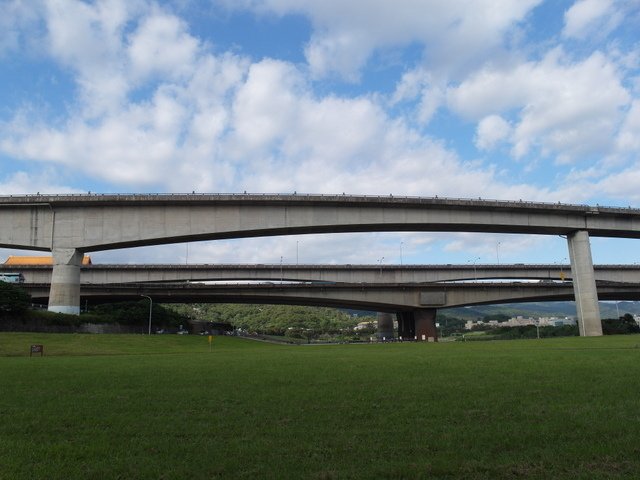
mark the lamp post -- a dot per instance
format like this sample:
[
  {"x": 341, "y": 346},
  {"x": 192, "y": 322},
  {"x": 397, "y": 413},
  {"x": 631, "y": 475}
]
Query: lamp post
[
  {"x": 475, "y": 271},
  {"x": 150, "y": 310}
]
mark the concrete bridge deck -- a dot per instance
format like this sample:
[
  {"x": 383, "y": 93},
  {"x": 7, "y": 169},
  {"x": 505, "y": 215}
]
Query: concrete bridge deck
[
  {"x": 69, "y": 225},
  {"x": 376, "y": 297},
  {"x": 100, "y": 222},
  {"x": 112, "y": 273}
]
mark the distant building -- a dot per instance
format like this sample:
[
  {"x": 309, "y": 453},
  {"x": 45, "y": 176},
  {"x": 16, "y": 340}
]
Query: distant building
[
  {"x": 364, "y": 325},
  {"x": 38, "y": 260},
  {"x": 521, "y": 321}
]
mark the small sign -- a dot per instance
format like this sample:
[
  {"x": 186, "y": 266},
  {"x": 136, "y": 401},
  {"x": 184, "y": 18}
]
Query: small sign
[{"x": 36, "y": 349}]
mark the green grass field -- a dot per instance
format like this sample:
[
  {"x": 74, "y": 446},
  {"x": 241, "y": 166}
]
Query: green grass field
[{"x": 164, "y": 407}]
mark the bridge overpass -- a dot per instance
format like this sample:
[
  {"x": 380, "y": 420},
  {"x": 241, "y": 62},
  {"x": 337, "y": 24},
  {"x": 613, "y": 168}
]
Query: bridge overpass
[
  {"x": 70, "y": 225},
  {"x": 125, "y": 273},
  {"x": 414, "y": 304}
]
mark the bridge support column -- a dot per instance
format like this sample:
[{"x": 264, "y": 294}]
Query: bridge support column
[
  {"x": 426, "y": 325},
  {"x": 64, "y": 296},
  {"x": 385, "y": 326},
  {"x": 406, "y": 326},
  {"x": 419, "y": 325},
  {"x": 584, "y": 284}
]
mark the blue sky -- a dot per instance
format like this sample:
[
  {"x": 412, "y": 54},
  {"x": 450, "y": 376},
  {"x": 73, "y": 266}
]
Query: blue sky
[{"x": 531, "y": 99}]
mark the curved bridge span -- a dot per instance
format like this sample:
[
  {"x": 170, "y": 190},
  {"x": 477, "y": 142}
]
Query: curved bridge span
[
  {"x": 414, "y": 305},
  {"x": 112, "y": 273},
  {"x": 69, "y": 225},
  {"x": 376, "y": 297}
]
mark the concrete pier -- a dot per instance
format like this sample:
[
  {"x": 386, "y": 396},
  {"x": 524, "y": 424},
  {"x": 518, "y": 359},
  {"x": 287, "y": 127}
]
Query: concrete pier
[
  {"x": 406, "y": 326},
  {"x": 425, "y": 321},
  {"x": 65, "y": 281},
  {"x": 584, "y": 284},
  {"x": 385, "y": 326},
  {"x": 418, "y": 325}
]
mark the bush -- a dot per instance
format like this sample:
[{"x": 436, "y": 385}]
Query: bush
[
  {"x": 137, "y": 314},
  {"x": 44, "y": 317},
  {"x": 14, "y": 301},
  {"x": 620, "y": 326}
]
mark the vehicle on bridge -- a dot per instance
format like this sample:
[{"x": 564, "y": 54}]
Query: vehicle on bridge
[{"x": 12, "y": 277}]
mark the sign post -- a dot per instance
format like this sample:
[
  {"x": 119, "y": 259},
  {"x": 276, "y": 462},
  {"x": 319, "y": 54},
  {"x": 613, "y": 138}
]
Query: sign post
[
  {"x": 36, "y": 349},
  {"x": 210, "y": 340}
]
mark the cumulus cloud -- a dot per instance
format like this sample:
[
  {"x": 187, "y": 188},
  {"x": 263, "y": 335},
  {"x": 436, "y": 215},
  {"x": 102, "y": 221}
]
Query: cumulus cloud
[
  {"x": 629, "y": 137},
  {"x": 491, "y": 130},
  {"x": 44, "y": 181},
  {"x": 161, "y": 46},
  {"x": 222, "y": 123},
  {"x": 149, "y": 99},
  {"x": 587, "y": 17},
  {"x": 561, "y": 107},
  {"x": 454, "y": 34},
  {"x": 622, "y": 185}
]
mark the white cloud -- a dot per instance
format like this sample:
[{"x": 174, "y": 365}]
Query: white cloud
[
  {"x": 455, "y": 33},
  {"x": 622, "y": 185},
  {"x": 491, "y": 130},
  {"x": 161, "y": 46},
  {"x": 45, "y": 181},
  {"x": 587, "y": 17},
  {"x": 219, "y": 123},
  {"x": 481, "y": 248},
  {"x": 629, "y": 137},
  {"x": 290, "y": 140},
  {"x": 18, "y": 24},
  {"x": 563, "y": 108},
  {"x": 122, "y": 129}
]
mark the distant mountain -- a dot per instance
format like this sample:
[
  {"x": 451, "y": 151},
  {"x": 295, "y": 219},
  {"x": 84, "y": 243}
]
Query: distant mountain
[{"x": 540, "y": 309}]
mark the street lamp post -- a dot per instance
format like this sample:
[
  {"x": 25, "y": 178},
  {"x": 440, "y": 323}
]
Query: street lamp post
[
  {"x": 150, "y": 310},
  {"x": 380, "y": 262},
  {"x": 475, "y": 271}
]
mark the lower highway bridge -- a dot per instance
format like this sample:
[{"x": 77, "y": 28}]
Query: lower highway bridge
[
  {"x": 414, "y": 304},
  {"x": 111, "y": 273}
]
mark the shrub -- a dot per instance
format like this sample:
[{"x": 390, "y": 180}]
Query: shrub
[{"x": 13, "y": 300}]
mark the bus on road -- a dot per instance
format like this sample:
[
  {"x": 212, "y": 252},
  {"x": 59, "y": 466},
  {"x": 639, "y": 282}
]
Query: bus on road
[{"x": 12, "y": 277}]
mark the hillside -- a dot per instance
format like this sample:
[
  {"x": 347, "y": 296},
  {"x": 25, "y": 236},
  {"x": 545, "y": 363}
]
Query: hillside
[{"x": 540, "y": 309}]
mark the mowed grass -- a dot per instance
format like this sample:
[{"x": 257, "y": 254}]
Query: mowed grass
[{"x": 164, "y": 407}]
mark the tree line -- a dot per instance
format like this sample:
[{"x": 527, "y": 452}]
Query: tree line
[{"x": 289, "y": 320}]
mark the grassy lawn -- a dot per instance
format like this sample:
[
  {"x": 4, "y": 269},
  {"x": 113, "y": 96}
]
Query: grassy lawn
[{"x": 164, "y": 407}]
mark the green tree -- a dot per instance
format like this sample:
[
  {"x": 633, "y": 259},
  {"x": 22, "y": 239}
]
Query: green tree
[
  {"x": 13, "y": 299},
  {"x": 622, "y": 325}
]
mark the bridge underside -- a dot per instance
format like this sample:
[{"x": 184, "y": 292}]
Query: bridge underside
[
  {"x": 415, "y": 306},
  {"x": 375, "y": 297}
]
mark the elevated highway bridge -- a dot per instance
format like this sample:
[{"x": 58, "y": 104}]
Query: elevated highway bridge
[
  {"x": 414, "y": 304},
  {"x": 71, "y": 225},
  {"x": 110, "y": 273}
]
